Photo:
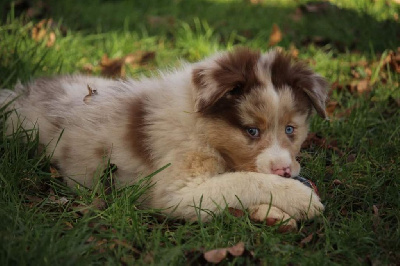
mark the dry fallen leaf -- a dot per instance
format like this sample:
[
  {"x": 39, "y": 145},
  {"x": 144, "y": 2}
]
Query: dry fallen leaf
[
  {"x": 148, "y": 258},
  {"x": 112, "y": 67},
  {"x": 54, "y": 173},
  {"x": 351, "y": 158},
  {"x": 68, "y": 226},
  {"x": 276, "y": 35},
  {"x": 337, "y": 182},
  {"x": 254, "y": 2},
  {"x": 116, "y": 67},
  {"x": 236, "y": 212},
  {"x": 293, "y": 51},
  {"x": 297, "y": 15},
  {"x": 317, "y": 7},
  {"x": 123, "y": 243},
  {"x": 217, "y": 255},
  {"x": 395, "y": 60},
  {"x": 157, "y": 21},
  {"x": 331, "y": 107},
  {"x": 51, "y": 39},
  {"x": 363, "y": 86},
  {"x": 91, "y": 92},
  {"x": 44, "y": 30},
  {"x": 375, "y": 218},
  {"x": 307, "y": 239},
  {"x": 99, "y": 204}
]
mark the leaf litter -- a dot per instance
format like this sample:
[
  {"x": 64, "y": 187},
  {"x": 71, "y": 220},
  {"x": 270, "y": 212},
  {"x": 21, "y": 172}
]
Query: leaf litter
[{"x": 115, "y": 68}]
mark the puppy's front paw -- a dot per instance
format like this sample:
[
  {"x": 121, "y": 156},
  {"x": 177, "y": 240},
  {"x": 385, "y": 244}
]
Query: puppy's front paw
[
  {"x": 272, "y": 216},
  {"x": 300, "y": 201}
]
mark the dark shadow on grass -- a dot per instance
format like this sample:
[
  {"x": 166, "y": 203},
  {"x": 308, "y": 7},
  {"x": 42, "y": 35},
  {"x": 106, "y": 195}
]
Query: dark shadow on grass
[{"x": 342, "y": 29}]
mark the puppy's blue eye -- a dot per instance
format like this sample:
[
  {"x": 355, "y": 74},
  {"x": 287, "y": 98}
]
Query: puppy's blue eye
[
  {"x": 253, "y": 132},
  {"x": 289, "y": 130}
]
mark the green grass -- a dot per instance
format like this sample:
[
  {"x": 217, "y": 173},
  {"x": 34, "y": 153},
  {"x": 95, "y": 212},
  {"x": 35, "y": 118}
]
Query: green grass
[{"x": 37, "y": 227}]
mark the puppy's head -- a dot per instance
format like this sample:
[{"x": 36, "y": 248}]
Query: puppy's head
[{"x": 255, "y": 108}]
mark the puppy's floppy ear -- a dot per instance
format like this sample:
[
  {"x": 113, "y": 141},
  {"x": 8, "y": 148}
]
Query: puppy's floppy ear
[
  {"x": 233, "y": 72},
  {"x": 300, "y": 77},
  {"x": 318, "y": 93},
  {"x": 207, "y": 92}
]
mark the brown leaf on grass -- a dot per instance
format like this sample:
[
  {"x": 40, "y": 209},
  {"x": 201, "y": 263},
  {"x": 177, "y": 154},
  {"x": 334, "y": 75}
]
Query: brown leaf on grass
[
  {"x": 337, "y": 182},
  {"x": 254, "y": 2},
  {"x": 335, "y": 86},
  {"x": 58, "y": 200},
  {"x": 146, "y": 57},
  {"x": 112, "y": 67},
  {"x": 351, "y": 158},
  {"x": 39, "y": 31},
  {"x": 33, "y": 199},
  {"x": 217, "y": 255},
  {"x": 51, "y": 39},
  {"x": 125, "y": 244},
  {"x": 116, "y": 67},
  {"x": 88, "y": 68},
  {"x": 297, "y": 15},
  {"x": 158, "y": 21},
  {"x": 331, "y": 107},
  {"x": 44, "y": 30},
  {"x": 306, "y": 240},
  {"x": 90, "y": 239},
  {"x": 363, "y": 86},
  {"x": 376, "y": 220},
  {"x": 395, "y": 60},
  {"x": 293, "y": 51},
  {"x": 83, "y": 209},
  {"x": 148, "y": 258},
  {"x": 99, "y": 204},
  {"x": 236, "y": 212},
  {"x": 68, "y": 226},
  {"x": 127, "y": 260},
  {"x": 375, "y": 210},
  {"x": 276, "y": 35},
  {"x": 54, "y": 173},
  {"x": 317, "y": 7}
]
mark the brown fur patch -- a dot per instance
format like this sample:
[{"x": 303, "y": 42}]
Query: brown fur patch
[
  {"x": 136, "y": 132},
  {"x": 237, "y": 69},
  {"x": 236, "y": 73},
  {"x": 234, "y": 76},
  {"x": 100, "y": 152},
  {"x": 302, "y": 80}
]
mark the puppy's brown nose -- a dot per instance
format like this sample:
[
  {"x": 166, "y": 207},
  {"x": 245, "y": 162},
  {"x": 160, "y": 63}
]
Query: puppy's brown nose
[{"x": 284, "y": 172}]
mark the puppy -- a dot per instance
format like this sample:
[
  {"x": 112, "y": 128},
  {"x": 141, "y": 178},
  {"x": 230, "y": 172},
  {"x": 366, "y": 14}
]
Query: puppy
[{"x": 230, "y": 126}]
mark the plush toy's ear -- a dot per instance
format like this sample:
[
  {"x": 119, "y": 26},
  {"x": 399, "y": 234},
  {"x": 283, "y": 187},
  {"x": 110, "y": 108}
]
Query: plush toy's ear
[{"x": 318, "y": 94}]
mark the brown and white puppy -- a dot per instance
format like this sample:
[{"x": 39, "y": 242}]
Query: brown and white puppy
[{"x": 231, "y": 127}]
